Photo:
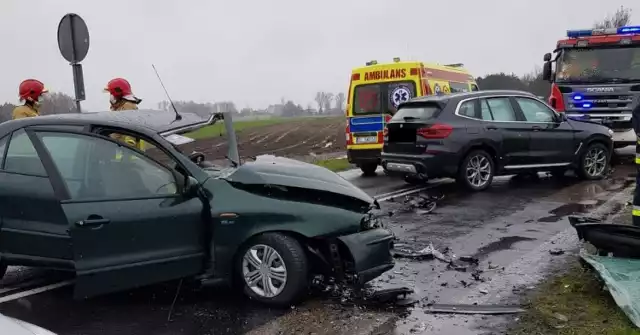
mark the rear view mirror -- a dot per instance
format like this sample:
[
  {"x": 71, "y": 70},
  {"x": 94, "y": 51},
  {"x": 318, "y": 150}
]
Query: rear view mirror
[
  {"x": 547, "y": 57},
  {"x": 546, "y": 71}
]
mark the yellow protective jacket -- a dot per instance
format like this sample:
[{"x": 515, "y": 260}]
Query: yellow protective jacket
[
  {"x": 125, "y": 105},
  {"x": 24, "y": 111}
]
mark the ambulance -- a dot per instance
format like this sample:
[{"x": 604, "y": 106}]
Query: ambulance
[{"x": 376, "y": 91}]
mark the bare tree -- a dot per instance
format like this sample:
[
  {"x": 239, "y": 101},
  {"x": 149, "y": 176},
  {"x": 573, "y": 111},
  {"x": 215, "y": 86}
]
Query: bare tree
[
  {"x": 319, "y": 99},
  {"x": 328, "y": 98},
  {"x": 340, "y": 99},
  {"x": 620, "y": 18}
]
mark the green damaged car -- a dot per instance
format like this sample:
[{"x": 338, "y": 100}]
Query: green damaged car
[{"x": 76, "y": 198}]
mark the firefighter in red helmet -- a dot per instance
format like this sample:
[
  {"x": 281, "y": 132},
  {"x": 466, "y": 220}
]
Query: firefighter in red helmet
[
  {"x": 121, "y": 96},
  {"x": 31, "y": 92}
]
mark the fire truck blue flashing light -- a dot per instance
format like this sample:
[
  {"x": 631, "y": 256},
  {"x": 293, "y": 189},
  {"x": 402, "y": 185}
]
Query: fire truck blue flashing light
[
  {"x": 607, "y": 31},
  {"x": 577, "y": 97}
]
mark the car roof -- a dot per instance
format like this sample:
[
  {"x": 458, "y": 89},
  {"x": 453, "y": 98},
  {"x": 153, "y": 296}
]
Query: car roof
[
  {"x": 158, "y": 121},
  {"x": 468, "y": 95}
]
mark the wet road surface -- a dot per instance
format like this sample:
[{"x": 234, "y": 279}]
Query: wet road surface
[{"x": 516, "y": 217}]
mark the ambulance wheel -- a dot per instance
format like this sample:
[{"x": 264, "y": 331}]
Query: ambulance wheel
[{"x": 369, "y": 169}]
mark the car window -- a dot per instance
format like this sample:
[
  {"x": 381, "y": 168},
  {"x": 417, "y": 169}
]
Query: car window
[
  {"x": 468, "y": 109},
  {"x": 474, "y": 87},
  {"x": 22, "y": 156},
  {"x": 501, "y": 109},
  {"x": 535, "y": 111},
  {"x": 3, "y": 148},
  {"x": 145, "y": 146},
  {"x": 422, "y": 112},
  {"x": 102, "y": 169},
  {"x": 485, "y": 111}
]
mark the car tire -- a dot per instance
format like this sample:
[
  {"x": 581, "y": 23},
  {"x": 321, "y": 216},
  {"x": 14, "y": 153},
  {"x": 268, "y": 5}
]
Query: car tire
[
  {"x": 481, "y": 162},
  {"x": 290, "y": 260},
  {"x": 3, "y": 270},
  {"x": 594, "y": 162},
  {"x": 369, "y": 169}
]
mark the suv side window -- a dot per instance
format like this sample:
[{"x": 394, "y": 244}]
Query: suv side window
[
  {"x": 3, "y": 148},
  {"x": 97, "y": 172},
  {"x": 468, "y": 109},
  {"x": 535, "y": 111},
  {"x": 485, "y": 111},
  {"x": 22, "y": 156},
  {"x": 501, "y": 109}
]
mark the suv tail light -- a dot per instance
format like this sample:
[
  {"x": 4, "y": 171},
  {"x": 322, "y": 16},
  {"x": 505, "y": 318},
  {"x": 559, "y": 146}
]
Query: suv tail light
[
  {"x": 555, "y": 100},
  {"x": 385, "y": 131},
  {"x": 435, "y": 131},
  {"x": 347, "y": 134}
]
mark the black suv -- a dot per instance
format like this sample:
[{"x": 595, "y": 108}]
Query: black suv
[{"x": 474, "y": 136}]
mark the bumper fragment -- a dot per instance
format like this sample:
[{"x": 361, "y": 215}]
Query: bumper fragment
[{"x": 371, "y": 253}]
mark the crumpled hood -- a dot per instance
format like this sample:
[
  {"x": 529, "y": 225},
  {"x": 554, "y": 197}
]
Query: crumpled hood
[{"x": 288, "y": 172}]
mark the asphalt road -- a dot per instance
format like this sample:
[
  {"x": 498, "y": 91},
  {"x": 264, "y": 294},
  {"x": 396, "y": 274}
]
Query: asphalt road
[{"x": 509, "y": 229}]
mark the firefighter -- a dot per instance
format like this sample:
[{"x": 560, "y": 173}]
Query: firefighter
[
  {"x": 121, "y": 98},
  {"x": 31, "y": 92},
  {"x": 635, "y": 120}
]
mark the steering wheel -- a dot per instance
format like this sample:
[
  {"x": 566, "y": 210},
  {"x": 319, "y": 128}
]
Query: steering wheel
[{"x": 196, "y": 157}]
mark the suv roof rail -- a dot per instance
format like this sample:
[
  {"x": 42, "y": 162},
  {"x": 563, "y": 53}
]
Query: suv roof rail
[{"x": 454, "y": 65}]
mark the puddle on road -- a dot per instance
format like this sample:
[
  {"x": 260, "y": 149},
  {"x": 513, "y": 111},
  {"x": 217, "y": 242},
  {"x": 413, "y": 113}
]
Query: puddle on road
[
  {"x": 559, "y": 213},
  {"x": 503, "y": 243}
]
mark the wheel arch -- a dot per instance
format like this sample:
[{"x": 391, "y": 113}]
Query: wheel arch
[{"x": 481, "y": 145}]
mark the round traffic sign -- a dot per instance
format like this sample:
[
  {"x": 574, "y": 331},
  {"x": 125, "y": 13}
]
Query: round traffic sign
[{"x": 73, "y": 38}]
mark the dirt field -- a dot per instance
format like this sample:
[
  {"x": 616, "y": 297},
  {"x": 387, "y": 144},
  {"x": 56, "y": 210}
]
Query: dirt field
[{"x": 295, "y": 138}]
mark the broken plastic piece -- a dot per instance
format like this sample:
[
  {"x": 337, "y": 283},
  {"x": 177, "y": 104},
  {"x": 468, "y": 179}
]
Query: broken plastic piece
[{"x": 474, "y": 309}]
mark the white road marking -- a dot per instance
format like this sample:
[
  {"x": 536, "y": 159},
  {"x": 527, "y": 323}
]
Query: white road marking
[{"x": 35, "y": 291}]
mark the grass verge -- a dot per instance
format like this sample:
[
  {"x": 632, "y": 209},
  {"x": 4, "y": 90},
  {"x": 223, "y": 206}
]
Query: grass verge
[
  {"x": 335, "y": 165},
  {"x": 573, "y": 304}
]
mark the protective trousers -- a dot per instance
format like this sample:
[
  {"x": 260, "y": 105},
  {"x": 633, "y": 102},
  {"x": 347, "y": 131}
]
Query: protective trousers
[{"x": 636, "y": 193}]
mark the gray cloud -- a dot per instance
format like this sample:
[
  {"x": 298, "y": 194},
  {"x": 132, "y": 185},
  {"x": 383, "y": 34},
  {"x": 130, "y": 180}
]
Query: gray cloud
[{"x": 254, "y": 52}]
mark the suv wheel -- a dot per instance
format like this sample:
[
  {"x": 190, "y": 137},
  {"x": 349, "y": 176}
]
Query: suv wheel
[
  {"x": 593, "y": 162},
  {"x": 273, "y": 269},
  {"x": 369, "y": 169},
  {"x": 476, "y": 171}
]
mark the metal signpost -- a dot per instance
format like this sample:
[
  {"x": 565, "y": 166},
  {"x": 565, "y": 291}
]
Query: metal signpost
[{"x": 73, "y": 41}]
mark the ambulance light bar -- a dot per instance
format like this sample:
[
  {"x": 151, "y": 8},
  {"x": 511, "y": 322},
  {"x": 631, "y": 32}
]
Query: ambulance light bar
[{"x": 606, "y": 31}]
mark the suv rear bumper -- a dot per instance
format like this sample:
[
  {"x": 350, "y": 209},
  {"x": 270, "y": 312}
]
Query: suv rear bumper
[{"x": 426, "y": 165}]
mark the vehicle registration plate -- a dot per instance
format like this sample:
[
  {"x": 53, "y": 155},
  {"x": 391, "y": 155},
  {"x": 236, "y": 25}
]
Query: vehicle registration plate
[{"x": 366, "y": 139}]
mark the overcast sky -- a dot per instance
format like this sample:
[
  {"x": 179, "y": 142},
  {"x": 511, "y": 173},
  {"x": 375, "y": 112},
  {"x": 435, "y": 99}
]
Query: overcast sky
[{"x": 255, "y": 52}]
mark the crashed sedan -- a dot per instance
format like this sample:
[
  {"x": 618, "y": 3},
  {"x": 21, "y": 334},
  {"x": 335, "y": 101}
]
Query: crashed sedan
[{"x": 75, "y": 197}]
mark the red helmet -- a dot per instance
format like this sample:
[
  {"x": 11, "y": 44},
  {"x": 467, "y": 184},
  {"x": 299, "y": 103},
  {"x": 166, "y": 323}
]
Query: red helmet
[
  {"x": 118, "y": 87},
  {"x": 31, "y": 89}
]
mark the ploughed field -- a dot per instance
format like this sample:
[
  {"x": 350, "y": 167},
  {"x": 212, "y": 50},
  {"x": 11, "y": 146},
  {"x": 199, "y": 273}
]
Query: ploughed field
[{"x": 290, "y": 137}]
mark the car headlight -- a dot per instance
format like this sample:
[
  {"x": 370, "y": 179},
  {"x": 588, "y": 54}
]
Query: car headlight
[
  {"x": 610, "y": 133},
  {"x": 32, "y": 328}
]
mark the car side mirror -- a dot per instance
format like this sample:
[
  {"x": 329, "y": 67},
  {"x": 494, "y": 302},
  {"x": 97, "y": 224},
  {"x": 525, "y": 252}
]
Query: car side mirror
[
  {"x": 191, "y": 186},
  {"x": 546, "y": 71},
  {"x": 562, "y": 117}
]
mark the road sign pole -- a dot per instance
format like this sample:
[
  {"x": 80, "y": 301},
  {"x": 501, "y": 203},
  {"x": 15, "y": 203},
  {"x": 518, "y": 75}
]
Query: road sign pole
[{"x": 73, "y": 41}]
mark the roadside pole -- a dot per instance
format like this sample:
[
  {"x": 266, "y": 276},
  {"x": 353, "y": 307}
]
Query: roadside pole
[
  {"x": 73, "y": 42},
  {"x": 232, "y": 141}
]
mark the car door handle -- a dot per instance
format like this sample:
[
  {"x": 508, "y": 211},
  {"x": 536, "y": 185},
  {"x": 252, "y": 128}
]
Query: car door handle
[
  {"x": 537, "y": 128},
  {"x": 492, "y": 127},
  {"x": 93, "y": 222}
]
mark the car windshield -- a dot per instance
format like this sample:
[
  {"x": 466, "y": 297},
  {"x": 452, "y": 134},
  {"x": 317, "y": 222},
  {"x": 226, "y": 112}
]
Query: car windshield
[{"x": 599, "y": 65}]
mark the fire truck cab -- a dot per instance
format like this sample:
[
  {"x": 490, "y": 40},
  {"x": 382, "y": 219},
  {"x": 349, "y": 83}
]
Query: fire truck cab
[{"x": 596, "y": 77}]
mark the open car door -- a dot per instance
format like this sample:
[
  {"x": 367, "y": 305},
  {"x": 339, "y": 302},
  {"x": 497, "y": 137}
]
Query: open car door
[{"x": 129, "y": 222}]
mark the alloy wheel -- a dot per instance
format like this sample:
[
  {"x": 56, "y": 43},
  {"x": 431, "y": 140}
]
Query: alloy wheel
[
  {"x": 478, "y": 171},
  {"x": 595, "y": 162},
  {"x": 264, "y": 271}
]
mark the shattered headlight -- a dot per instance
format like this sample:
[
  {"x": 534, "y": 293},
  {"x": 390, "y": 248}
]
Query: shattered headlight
[{"x": 371, "y": 221}]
